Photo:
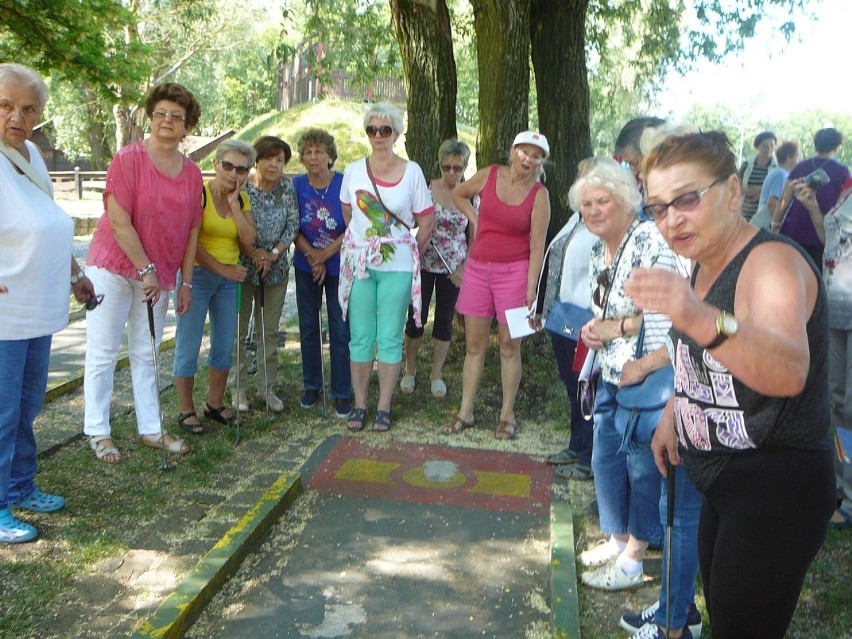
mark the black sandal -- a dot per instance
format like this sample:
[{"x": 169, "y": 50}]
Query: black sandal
[
  {"x": 216, "y": 414},
  {"x": 355, "y": 419},
  {"x": 382, "y": 423},
  {"x": 194, "y": 429}
]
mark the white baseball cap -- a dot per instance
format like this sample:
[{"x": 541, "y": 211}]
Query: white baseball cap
[{"x": 531, "y": 137}]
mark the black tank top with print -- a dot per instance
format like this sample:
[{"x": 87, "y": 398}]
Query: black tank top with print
[{"x": 717, "y": 416}]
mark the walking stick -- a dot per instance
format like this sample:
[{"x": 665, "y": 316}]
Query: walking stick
[
  {"x": 322, "y": 357},
  {"x": 260, "y": 297},
  {"x": 670, "y": 504},
  {"x": 240, "y": 346},
  {"x": 165, "y": 466}
]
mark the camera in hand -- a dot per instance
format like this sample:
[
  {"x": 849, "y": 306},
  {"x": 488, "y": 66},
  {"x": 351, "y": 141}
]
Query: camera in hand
[{"x": 816, "y": 179}]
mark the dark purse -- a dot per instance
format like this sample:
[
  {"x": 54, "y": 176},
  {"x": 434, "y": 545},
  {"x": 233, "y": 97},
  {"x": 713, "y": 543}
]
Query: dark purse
[
  {"x": 640, "y": 406},
  {"x": 566, "y": 319}
]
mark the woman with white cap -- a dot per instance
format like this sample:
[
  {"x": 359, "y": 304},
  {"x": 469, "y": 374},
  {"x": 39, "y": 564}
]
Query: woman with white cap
[{"x": 502, "y": 269}]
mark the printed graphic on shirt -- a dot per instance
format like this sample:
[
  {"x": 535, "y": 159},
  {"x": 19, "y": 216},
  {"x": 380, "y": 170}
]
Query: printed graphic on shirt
[
  {"x": 380, "y": 220},
  {"x": 709, "y": 416},
  {"x": 319, "y": 219}
]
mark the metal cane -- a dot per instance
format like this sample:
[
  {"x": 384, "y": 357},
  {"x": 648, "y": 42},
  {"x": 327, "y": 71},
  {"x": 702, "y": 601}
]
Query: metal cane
[
  {"x": 438, "y": 253},
  {"x": 670, "y": 504},
  {"x": 240, "y": 346},
  {"x": 164, "y": 466},
  {"x": 260, "y": 298},
  {"x": 322, "y": 358}
]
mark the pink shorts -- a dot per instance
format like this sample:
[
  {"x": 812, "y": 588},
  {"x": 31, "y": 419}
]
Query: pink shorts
[{"x": 492, "y": 287}]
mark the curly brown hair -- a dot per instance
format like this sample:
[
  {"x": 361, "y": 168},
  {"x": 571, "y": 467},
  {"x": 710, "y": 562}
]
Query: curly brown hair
[{"x": 178, "y": 94}]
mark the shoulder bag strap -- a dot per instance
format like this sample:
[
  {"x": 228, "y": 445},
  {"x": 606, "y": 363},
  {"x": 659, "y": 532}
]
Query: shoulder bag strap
[
  {"x": 16, "y": 158},
  {"x": 379, "y": 195}
]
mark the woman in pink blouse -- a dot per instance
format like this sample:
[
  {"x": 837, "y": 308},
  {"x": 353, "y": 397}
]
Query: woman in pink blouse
[
  {"x": 441, "y": 268},
  {"x": 149, "y": 230}
]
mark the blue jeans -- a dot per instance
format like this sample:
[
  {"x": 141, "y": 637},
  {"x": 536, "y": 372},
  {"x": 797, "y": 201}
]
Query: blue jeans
[
  {"x": 582, "y": 431},
  {"x": 309, "y": 302},
  {"x": 627, "y": 485},
  {"x": 23, "y": 369},
  {"x": 684, "y": 564},
  {"x": 218, "y": 295}
]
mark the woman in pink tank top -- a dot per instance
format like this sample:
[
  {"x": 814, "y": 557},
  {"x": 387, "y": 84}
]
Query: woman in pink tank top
[{"x": 502, "y": 268}]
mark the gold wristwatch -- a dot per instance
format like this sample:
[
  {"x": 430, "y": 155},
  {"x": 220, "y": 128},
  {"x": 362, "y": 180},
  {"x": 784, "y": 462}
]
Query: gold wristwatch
[{"x": 726, "y": 326}]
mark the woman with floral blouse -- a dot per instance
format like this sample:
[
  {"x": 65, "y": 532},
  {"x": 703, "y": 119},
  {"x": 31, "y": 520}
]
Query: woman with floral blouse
[{"x": 441, "y": 268}]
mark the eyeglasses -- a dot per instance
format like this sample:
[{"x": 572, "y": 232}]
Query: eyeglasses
[
  {"x": 94, "y": 302},
  {"x": 29, "y": 110},
  {"x": 385, "y": 130},
  {"x": 227, "y": 167},
  {"x": 601, "y": 290},
  {"x": 532, "y": 159},
  {"x": 452, "y": 168},
  {"x": 166, "y": 115},
  {"x": 685, "y": 202}
]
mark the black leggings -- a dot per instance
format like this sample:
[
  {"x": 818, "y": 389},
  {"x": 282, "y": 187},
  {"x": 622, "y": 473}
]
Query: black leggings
[
  {"x": 763, "y": 520},
  {"x": 446, "y": 294}
]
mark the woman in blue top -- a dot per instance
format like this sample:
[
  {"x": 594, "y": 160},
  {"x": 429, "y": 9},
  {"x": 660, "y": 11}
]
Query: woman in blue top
[{"x": 317, "y": 265}]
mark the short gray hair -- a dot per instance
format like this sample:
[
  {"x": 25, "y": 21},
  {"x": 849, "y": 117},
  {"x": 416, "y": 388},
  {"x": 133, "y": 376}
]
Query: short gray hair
[
  {"x": 236, "y": 146},
  {"x": 653, "y": 136},
  {"x": 454, "y": 147},
  {"x": 12, "y": 73},
  {"x": 384, "y": 111},
  {"x": 610, "y": 175}
]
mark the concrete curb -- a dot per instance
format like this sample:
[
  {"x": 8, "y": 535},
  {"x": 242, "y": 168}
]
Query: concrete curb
[
  {"x": 182, "y": 608},
  {"x": 565, "y": 605}
]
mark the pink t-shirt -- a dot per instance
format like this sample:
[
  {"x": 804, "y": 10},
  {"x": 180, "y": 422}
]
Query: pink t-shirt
[
  {"x": 503, "y": 234},
  {"x": 162, "y": 209}
]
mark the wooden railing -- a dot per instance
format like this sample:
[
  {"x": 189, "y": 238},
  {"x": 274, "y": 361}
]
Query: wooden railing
[{"x": 79, "y": 181}]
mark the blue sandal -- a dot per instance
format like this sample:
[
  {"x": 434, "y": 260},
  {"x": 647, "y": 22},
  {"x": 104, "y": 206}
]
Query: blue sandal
[
  {"x": 355, "y": 419},
  {"x": 382, "y": 423},
  {"x": 40, "y": 502},
  {"x": 13, "y": 530}
]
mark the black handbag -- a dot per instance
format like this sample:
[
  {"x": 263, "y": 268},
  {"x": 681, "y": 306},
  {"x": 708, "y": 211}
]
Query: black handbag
[
  {"x": 567, "y": 319},
  {"x": 640, "y": 406}
]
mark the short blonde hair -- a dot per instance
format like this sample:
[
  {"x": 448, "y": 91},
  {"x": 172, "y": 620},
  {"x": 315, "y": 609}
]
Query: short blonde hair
[{"x": 610, "y": 175}]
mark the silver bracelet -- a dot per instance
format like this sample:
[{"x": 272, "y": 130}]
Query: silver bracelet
[
  {"x": 148, "y": 269},
  {"x": 187, "y": 284}
]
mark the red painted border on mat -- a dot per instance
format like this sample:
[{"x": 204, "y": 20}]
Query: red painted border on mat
[{"x": 411, "y": 456}]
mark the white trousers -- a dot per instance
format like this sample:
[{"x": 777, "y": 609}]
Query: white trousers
[{"x": 122, "y": 306}]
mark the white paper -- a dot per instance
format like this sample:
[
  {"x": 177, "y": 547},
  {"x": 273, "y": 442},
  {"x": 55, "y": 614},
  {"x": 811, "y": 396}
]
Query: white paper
[{"x": 518, "y": 321}]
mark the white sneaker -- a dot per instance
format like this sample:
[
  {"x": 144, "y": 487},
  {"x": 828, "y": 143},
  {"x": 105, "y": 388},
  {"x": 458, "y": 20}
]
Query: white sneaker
[
  {"x": 241, "y": 402},
  {"x": 612, "y": 578},
  {"x": 600, "y": 555},
  {"x": 275, "y": 404}
]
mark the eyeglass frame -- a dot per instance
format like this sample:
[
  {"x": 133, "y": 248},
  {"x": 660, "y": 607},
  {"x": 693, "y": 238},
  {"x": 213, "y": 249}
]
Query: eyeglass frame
[
  {"x": 94, "y": 302},
  {"x": 168, "y": 116},
  {"x": 650, "y": 209},
  {"x": 230, "y": 166},
  {"x": 373, "y": 131},
  {"x": 455, "y": 168}
]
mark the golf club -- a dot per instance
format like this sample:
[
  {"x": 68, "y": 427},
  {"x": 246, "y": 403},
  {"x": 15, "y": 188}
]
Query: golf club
[
  {"x": 670, "y": 504},
  {"x": 240, "y": 346},
  {"x": 322, "y": 356},
  {"x": 165, "y": 466},
  {"x": 260, "y": 299}
]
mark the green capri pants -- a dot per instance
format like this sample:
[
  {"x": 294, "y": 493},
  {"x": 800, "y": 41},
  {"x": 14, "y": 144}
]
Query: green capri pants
[{"x": 377, "y": 310}]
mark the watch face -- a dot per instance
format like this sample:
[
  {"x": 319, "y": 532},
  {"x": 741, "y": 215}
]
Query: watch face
[{"x": 729, "y": 324}]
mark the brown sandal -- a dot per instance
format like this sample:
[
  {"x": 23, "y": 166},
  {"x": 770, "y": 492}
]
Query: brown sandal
[
  {"x": 456, "y": 426},
  {"x": 506, "y": 430}
]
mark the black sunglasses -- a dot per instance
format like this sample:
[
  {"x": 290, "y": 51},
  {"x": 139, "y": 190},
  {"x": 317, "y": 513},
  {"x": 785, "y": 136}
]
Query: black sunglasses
[
  {"x": 373, "y": 131},
  {"x": 230, "y": 166},
  {"x": 602, "y": 289},
  {"x": 94, "y": 302}
]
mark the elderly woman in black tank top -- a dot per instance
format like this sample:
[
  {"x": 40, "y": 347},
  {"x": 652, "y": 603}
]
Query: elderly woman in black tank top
[{"x": 750, "y": 414}]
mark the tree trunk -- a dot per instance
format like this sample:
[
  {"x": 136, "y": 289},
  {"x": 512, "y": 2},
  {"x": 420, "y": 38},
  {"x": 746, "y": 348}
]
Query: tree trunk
[
  {"x": 558, "y": 36},
  {"x": 503, "y": 49},
  {"x": 96, "y": 131},
  {"x": 426, "y": 45}
]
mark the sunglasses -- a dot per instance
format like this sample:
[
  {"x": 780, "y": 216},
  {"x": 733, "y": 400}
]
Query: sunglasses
[
  {"x": 452, "y": 168},
  {"x": 385, "y": 130},
  {"x": 94, "y": 302},
  {"x": 686, "y": 202},
  {"x": 229, "y": 166},
  {"x": 602, "y": 289}
]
